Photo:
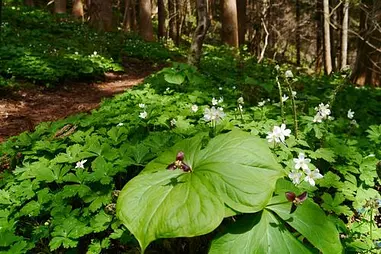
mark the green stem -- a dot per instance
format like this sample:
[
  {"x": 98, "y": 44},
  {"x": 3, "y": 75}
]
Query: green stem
[
  {"x": 280, "y": 98},
  {"x": 371, "y": 225},
  {"x": 293, "y": 109}
]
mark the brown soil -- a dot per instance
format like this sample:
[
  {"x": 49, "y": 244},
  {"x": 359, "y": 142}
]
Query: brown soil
[{"x": 22, "y": 109}]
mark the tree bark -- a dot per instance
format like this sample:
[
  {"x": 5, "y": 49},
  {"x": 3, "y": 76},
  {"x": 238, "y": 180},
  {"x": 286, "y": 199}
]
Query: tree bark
[
  {"x": 367, "y": 68},
  {"x": 29, "y": 3},
  {"x": 319, "y": 36},
  {"x": 145, "y": 22},
  {"x": 344, "y": 35},
  {"x": 127, "y": 16},
  {"x": 77, "y": 10},
  {"x": 172, "y": 19},
  {"x": 241, "y": 12},
  {"x": 297, "y": 34},
  {"x": 101, "y": 14},
  {"x": 327, "y": 38},
  {"x": 203, "y": 24},
  {"x": 59, "y": 6},
  {"x": 161, "y": 13},
  {"x": 229, "y": 31}
]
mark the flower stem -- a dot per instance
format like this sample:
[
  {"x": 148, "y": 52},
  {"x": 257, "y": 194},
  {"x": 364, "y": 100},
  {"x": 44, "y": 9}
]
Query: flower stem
[
  {"x": 293, "y": 109},
  {"x": 280, "y": 98}
]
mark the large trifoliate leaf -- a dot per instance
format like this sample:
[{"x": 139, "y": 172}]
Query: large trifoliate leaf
[
  {"x": 308, "y": 219},
  {"x": 234, "y": 169},
  {"x": 260, "y": 233}
]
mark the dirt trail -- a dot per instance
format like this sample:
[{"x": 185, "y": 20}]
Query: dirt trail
[{"x": 23, "y": 109}]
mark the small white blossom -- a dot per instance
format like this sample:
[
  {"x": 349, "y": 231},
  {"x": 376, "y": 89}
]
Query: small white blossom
[
  {"x": 220, "y": 88},
  {"x": 213, "y": 114},
  {"x": 289, "y": 74},
  {"x": 311, "y": 176},
  {"x": 173, "y": 122},
  {"x": 354, "y": 122},
  {"x": 278, "y": 134},
  {"x": 120, "y": 124},
  {"x": 167, "y": 89},
  {"x": 277, "y": 67},
  {"x": 240, "y": 107},
  {"x": 295, "y": 176},
  {"x": 214, "y": 101},
  {"x": 318, "y": 118},
  {"x": 284, "y": 98},
  {"x": 350, "y": 114},
  {"x": 331, "y": 118},
  {"x": 302, "y": 162},
  {"x": 143, "y": 115},
  {"x": 234, "y": 87},
  {"x": 261, "y": 103},
  {"x": 80, "y": 164},
  {"x": 221, "y": 100},
  {"x": 46, "y": 223},
  {"x": 293, "y": 94},
  {"x": 194, "y": 108},
  {"x": 95, "y": 53},
  {"x": 76, "y": 53},
  {"x": 240, "y": 100},
  {"x": 142, "y": 105},
  {"x": 323, "y": 112}
]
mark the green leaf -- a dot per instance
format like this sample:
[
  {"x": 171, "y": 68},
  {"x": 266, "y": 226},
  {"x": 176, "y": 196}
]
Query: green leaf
[
  {"x": 260, "y": 233},
  {"x": 308, "y": 219},
  {"x": 323, "y": 153},
  {"x": 334, "y": 205},
  {"x": 174, "y": 78},
  {"x": 235, "y": 169}
]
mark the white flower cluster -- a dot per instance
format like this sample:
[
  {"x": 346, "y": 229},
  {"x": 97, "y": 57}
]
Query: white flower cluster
[
  {"x": 240, "y": 102},
  {"x": 303, "y": 172},
  {"x": 278, "y": 134},
  {"x": 213, "y": 114},
  {"x": 322, "y": 113}
]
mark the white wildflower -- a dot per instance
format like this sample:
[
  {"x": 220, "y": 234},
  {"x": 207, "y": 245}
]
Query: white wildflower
[
  {"x": 277, "y": 67},
  {"x": 120, "y": 124},
  {"x": 173, "y": 122},
  {"x": 220, "y": 88},
  {"x": 221, "y": 100},
  {"x": 143, "y": 115},
  {"x": 142, "y": 105},
  {"x": 302, "y": 162},
  {"x": 323, "y": 112},
  {"x": 261, "y": 103},
  {"x": 295, "y": 176},
  {"x": 350, "y": 114},
  {"x": 278, "y": 134},
  {"x": 234, "y": 87},
  {"x": 240, "y": 100},
  {"x": 213, "y": 114},
  {"x": 311, "y": 176},
  {"x": 194, "y": 108},
  {"x": 289, "y": 74},
  {"x": 214, "y": 101},
  {"x": 284, "y": 98},
  {"x": 80, "y": 164},
  {"x": 293, "y": 94}
]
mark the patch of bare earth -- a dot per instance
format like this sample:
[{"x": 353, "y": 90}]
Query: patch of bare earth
[{"x": 21, "y": 110}]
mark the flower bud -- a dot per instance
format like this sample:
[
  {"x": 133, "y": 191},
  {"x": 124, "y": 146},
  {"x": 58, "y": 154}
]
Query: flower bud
[{"x": 180, "y": 156}]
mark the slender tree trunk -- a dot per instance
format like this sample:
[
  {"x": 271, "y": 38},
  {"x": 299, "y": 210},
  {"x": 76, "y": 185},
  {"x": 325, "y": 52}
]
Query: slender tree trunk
[
  {"x": 327, "y": 38},
  {"x": 367, "y": 68},
  {"x": 297, "y": 30},
  {"x": 101, "y": 14},
  {"x": 203, "y": 24},
  {"x": 319, "y": 36},
  {"x": 145, "y": 24},
  {"x": 241, "y": 12},
  {"x": 229, "y": 31},
  {"x": 127, "y": 16},
  {"x": 134, "y": 22},
  {"x": 59, "y": 6},
  {"x": 344, "y": 35},
  {"x": 161, "y": 18},
  {"x": 29, "y": 3},
  {"x": 178, "y": 21},
  {"x": 77, "y": 10},
  {"x": 172, "y": 19}
]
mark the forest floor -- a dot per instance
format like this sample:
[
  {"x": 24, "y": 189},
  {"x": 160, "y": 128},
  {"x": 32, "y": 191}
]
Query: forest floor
[{"x": 23, "y": 109}]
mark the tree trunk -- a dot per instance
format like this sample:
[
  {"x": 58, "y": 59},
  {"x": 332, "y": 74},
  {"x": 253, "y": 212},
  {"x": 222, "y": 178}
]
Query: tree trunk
[
  {"x": 101, "y": 14},
  {"x": 29, "y": 3},
  {"x": 203, "y": 24},
  {"x": 367, "y": 68},
  {"x": 241, "y": 12},
  {"x": 297, "y": 30},
  {"x": 77, "y": 10},
  {"x": 145, "y": 22},
  {"x": 59, "y": 6},
  {"x": 172, "y": 19},
  {"x": 229, "y": 31},
  {"x": 127, "y": 16},
  {"x": 319, "y": 36},
  {"x": 344, "y": 35},
  {"x": 327, "y": 38},
  {"x": 161, "y": 18},
  {"x": 178, "y": 22}
]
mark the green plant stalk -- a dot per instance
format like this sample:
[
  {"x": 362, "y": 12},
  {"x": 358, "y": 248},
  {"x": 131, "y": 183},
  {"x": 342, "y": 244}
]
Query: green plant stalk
[
  {"x": 293, "y": 110},
  {"x": 280, "y": 99},
  {"x": 371, "y": 225}
]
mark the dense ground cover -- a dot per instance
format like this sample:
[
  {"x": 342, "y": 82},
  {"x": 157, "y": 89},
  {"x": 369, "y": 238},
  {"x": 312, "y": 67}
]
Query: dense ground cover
[
  {"x": 297, "y": 155},
  {"x": 60, "y": 184}
]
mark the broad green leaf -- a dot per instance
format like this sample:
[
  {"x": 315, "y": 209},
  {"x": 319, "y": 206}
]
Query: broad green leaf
[
  {"x": 174, "y": 78},
  {"x": 234, "y": 169},
  {"x": 308, "y": 219},
  {"x": 260, "y": 233}
]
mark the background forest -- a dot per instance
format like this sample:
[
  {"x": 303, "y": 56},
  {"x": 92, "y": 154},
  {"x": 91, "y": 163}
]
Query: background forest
[{"x": 258, "y": 129}]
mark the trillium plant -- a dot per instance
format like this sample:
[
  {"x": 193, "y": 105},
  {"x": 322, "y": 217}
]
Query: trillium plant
[{"x": 302, "y": 171}]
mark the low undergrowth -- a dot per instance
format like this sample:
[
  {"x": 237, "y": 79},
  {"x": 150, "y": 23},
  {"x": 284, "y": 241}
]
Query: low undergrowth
[{"x": 313, "y": 145}]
